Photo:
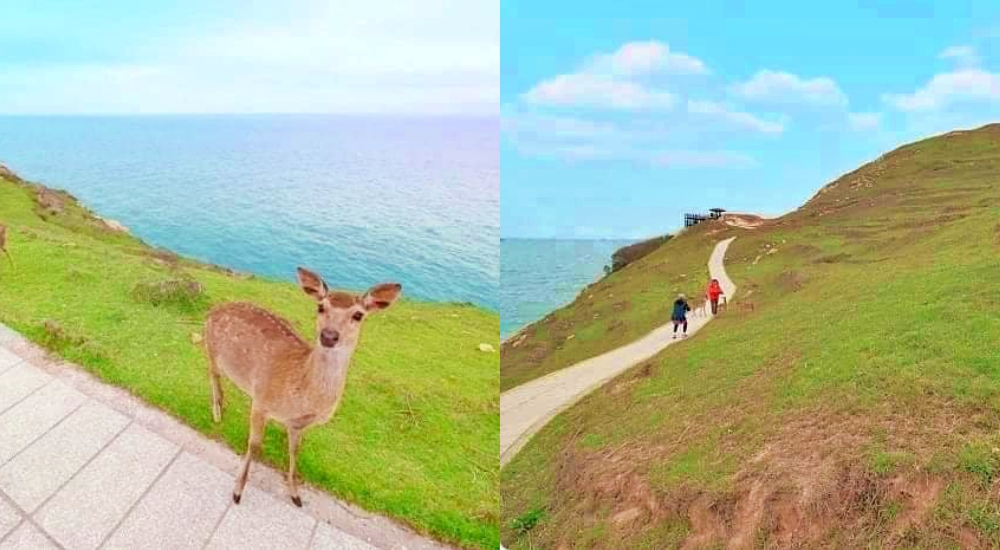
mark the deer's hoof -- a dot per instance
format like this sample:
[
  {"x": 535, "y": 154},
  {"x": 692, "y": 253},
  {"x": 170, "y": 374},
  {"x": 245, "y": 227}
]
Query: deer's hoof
[
  {"x": 297, "y": 501},
  {"x": 236, "y": 498}
]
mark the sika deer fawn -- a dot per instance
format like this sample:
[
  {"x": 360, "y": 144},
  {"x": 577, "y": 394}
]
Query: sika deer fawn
[
  {"x": 288, "y": 380},
  {"x": 3, "y": 242}
]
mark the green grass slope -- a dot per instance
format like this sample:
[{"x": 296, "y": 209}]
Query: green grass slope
[
  {"x": 857, "y": 406},
  {"x": 415, "y": 437},
  {"x": 611, "y": 312}
]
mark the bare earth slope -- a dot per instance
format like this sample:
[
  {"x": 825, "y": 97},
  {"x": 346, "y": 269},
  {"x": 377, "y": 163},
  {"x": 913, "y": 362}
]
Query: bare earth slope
[{"x": 856, "y": 406}]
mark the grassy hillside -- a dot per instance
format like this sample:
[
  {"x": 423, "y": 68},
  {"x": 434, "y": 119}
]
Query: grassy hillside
[
  {"x": 858, "y": 406},
  {"x": 415, "y": 437},
  {"x": 614, "y": 311}
]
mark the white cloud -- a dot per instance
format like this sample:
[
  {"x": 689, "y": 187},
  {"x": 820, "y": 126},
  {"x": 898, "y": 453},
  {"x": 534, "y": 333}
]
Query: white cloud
[
  {"x": 392, "y": 56},
  {"x": 521, "y": 124},
  {"x": 639, "y": 58},
  {"x": 589, "y": 90},
  {"x": 779, "y": 87},
  {"x": 945, "y": 89},
  {"x": 740, "y": 119},
  {"x": 705, "y": 159},
  {"x": 964, "y": 56},
  {"x": 615, "y": 80},
  {"x": 864, "y": 121}
]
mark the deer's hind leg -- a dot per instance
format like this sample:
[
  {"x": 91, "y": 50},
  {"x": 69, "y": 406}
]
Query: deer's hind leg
[{"x": 216, "y": 380}]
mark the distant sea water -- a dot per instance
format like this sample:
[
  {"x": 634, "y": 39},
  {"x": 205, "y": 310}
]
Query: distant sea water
[
  {"x": 359, "y": 199},
  {"x": 538, "y": 276}
]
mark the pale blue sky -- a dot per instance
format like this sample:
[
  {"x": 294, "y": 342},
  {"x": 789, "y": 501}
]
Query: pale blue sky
[
  {"x": 223, "y": 56},
  {"x": 620, "y": 116}
]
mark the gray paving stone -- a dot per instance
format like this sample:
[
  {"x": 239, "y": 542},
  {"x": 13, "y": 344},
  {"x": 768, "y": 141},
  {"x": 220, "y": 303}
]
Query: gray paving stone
[
  {"x": 83, "y": 512},
  {"x": 27, "y": 537},
  {"x": 35, "y": 415},
  {"x": 330, "y": 538},
  {"x": 18, "y": 381},
  {"x": 9, "y": 518},
  {"x": 7, "y": 360},
  {"x": 48, "y": 463},
  {"x": 262, "y": 522},
  {"x": 179, "y": 511}
]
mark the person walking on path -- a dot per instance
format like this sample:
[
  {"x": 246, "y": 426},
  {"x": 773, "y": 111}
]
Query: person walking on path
[
  {"x": 713, "y": 293},
  {"x": 679, "y": 316}
]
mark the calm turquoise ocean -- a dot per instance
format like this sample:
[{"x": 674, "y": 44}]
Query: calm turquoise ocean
[
  {"x": 359, "y": 199},
  {"x": 538, "y": 276}
]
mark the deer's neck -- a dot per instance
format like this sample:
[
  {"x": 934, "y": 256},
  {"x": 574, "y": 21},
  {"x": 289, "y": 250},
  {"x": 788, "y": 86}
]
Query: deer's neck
[{"x": 328, "y": 370}]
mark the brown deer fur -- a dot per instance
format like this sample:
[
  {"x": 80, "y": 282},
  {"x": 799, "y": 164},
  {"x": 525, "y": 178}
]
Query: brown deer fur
[
  {"x": 288, "y": 380},
  {"x": 3, "y": 243}
]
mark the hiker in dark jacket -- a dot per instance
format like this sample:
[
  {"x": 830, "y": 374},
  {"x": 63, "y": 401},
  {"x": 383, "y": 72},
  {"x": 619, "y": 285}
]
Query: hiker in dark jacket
[{"x": 679, "y": 316}]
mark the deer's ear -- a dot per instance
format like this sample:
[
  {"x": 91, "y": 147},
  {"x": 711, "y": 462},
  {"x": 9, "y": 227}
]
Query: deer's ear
[
  {"x": 312, "y": 284},
  {"x": 381, "y": 296}
]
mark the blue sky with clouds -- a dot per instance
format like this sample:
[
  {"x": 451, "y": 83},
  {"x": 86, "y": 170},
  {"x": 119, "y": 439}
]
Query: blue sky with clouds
[
  {"x": 222, "y": 56},
  {"x": 620, "y": 116}
]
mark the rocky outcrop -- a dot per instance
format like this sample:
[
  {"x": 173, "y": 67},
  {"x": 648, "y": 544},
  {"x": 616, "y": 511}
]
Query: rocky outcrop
[
  {"x": 8, "y": 174},
  {"x": 633, "y": 252}
]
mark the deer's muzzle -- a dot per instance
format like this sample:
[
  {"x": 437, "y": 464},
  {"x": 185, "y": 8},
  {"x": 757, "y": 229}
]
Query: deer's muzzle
[{"x": 329, "y": 338}]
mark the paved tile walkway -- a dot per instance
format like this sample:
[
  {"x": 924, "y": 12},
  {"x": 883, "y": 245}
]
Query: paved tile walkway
[{"x": 85, "y": 466}]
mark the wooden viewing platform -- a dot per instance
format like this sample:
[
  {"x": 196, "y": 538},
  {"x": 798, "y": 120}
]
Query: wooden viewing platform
[{"x": 695, "y": 219}]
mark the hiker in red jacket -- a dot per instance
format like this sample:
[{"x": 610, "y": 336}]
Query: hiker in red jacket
[{"x": 713, "y": 293}]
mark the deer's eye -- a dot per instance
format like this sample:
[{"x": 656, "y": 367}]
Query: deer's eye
[
  {"x": 358, "y": 316},
  {"x": 320, "y": 308}
]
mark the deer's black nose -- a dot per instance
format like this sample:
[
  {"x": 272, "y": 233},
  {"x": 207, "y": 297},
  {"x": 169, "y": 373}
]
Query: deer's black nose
[{"x": 329, "y": 337}]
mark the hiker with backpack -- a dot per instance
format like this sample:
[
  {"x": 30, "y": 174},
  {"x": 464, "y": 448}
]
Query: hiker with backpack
[
  {"x": 679, "y": 316},
  {"x": 712, "y": 293}
]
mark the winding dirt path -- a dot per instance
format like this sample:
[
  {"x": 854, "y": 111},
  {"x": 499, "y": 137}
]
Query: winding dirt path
[{"x": 527, "y": 408}]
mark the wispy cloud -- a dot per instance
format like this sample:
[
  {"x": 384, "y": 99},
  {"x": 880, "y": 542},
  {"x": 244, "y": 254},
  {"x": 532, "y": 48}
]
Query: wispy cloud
[
  {"x": 864, "y": 121},
  {"x": 964, "y": 85},
  {"x": 705, "y": 159},
  {"x": 778, "y": 87},
  {"x": 615, "y": 80},
  {"x": 643, "y": 58},
  {"x": 729, "y": 115},
  {"x": 964, "y": 56},
  {"x": 313, "y": 56},
  {"x": 590, "y": 90}
]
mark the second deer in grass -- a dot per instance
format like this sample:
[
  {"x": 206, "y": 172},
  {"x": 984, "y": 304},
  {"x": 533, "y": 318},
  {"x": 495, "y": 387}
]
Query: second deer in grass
[
  {"x": 3, "y": 243},
  {"x": 289, "y": 381}
]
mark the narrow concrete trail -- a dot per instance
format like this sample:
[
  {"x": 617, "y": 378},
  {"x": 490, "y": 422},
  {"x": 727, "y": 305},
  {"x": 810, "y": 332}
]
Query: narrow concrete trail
[{"x": 527, "y": 408}]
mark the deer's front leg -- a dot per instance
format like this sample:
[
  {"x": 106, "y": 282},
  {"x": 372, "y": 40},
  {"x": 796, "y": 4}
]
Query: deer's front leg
[
  {"x": 294, "y": 438},
  {"x": 257, "y": 422}
]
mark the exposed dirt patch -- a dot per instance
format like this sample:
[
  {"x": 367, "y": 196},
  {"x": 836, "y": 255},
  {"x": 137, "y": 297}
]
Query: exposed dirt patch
[
  {"x": 792, "y": 281},
  {"x": 834, "y": 259},
  {"x": 744, "y": 221},
  {"x": 919, "y": 494},
  {"x": 708, "y": 525},
  {"x": 609, "y": 482},
  {"x": 627, "y": 381},
  {"x": 809, "y": 486},
  {"x": 50, "y": 202}
]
